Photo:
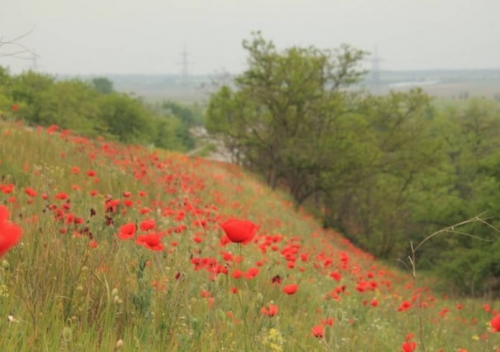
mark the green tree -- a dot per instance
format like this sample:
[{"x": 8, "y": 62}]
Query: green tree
[
  {"x": 373, "y": 204},
  {"x": 188, "y": 115},
  {"x": 126, "y": 118},
  {"x": 284, "y": 106},
  {"x": 27, "y": 89},
  {"x": 71, "y": 104},
  {"x": 103, "y": 85}
]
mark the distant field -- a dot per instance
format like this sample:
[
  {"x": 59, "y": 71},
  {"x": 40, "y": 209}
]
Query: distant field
[
  {"x": 454, "y": 90},
  {"x": 451, "y": 84}
]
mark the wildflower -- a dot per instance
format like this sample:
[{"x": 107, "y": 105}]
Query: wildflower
[
  {"x": 7, "y": 189},
  {"x": 147, "y": 225},
  {"x": 251, "y": 273},
  {"x": 237, "y": 274},
  {"x": 328, "y": 321},
  {"x": 61, "y": 196},
  {"x": 127, "y": 231},
  {"x": 270, "y": 311},
  {"x": 128, "y": 203},
  {"x": 111, "y": 205},
  {"x": 15, "y": 107},
  {"x": 119, "y": 344},
  {"x": 30, "y": 192},
  {"x": 405, "y": 305},
  {"x": 318, "y": 331},
  {"x": 52, "y": 129},
  {"x": 239, "y": 231},
  {"x": 151, "y": 241},
  {"x": 409, "y": 346},
  {"x": 276, "y": 280},
  {"x": 336, "y": 275},
  {"x": 290, "y": 289},
  {"x": 495, "y": 323},
  {"x": 10, "y": 233}
]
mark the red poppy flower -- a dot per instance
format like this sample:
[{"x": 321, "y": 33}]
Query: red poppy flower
[
  {"x": 409, "y": 346},
  {"x": 151, "y": 241},
  {"x": 251, "y": 273},
  {"x": 290, "y": 289},
  {"x": 147, "y": 225},
  {"x": 328, "y": 321},
  {"x": 61, "y": 196},
  {"x": 237, "y": 274},
  {"x": 30, "y": 192},
  {"x": 318, "y": 331},
  {"x": 128, "y": 203},
  {"x": 276, "y": 280},
  {"x": 15, "y": 107},
  {"x": 495, "y": 323},
  {"x": 52, "y": 129},
  {"x": 127, "y": 231},
  {"x": 270, "y": 311},
  {"x": 7, "y": 189},
  {"x": 405, "y": 305},
  {"x": 10, "y": 233},
  {"x": 239, "y": 231}
]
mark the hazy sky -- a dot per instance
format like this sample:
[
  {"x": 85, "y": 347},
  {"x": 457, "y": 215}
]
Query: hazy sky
[{"x": 147, "y": 36}]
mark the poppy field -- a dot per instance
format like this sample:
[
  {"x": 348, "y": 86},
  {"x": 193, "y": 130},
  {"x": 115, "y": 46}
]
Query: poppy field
[{"x": 110, "y": 247}]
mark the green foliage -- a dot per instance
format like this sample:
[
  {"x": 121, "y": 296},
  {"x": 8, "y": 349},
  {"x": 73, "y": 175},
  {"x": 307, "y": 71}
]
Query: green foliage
[
  {"x": 190, "y": 116},
  {"x": 385, "y": 170},
  {"x": 282, "y": 102},
  {"x": 103, "y": 85},
  {"x": 93, "y": 109},
  {"x": 170, "y": 133},
  {"x": 125, "y": 118}
]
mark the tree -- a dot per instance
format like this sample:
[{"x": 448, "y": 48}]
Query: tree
[
  {"x": 103, "y": 85},
  {"x": 126, "y": 118},
  {"x": 71, "y": 104},
  {"x": 283, "y": 107},
  {"x": 187, "y": 115},
  {"x": 28, "y": 89}
]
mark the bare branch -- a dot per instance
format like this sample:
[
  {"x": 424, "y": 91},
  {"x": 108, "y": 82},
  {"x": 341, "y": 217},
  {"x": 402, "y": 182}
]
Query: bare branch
[
  {"x": 17, "y": 48},
  {"x": 452, "y": 229}
]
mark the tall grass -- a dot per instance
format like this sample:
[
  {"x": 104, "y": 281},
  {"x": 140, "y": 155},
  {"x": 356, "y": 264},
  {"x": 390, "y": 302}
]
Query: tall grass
[{"x": 73, "y": 285}]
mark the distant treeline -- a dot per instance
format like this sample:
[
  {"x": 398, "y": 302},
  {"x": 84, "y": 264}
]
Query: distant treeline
[
  {"x": 93, "y": 108},
  {"x": 385, "y": 170}
]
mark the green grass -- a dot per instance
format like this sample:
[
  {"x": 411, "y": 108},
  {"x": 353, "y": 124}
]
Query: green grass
[{"x": 65, "y": 295}]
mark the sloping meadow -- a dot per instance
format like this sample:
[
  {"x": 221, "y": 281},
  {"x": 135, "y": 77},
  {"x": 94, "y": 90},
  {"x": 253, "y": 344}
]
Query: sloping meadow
[{"x": 122, "y": 248}]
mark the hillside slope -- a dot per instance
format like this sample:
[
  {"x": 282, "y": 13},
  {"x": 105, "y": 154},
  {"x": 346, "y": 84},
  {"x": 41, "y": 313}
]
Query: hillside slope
[{"x": 123, "y": 249}]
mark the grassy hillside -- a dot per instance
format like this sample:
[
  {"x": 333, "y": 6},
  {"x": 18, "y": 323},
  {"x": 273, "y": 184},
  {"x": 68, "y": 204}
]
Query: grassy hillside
[{"x": 76, "y": 283}]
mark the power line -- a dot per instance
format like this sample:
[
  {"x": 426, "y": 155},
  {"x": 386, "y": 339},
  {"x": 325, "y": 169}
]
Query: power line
[
  {"x": 375, "y": 71},
  {"x": 185, "y": 65}
]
